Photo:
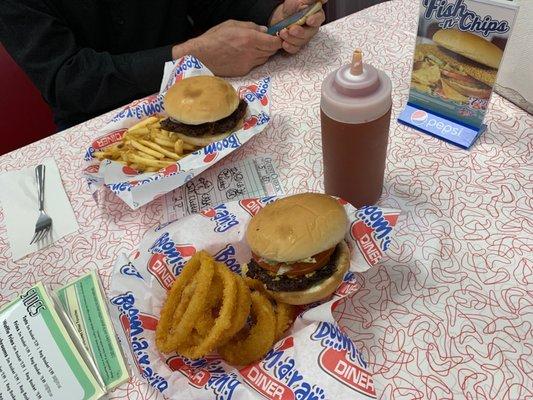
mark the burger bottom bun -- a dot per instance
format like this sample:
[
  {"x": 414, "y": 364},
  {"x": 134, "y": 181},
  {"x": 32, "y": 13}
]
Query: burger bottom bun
[
  {"x": 322, "y": 289},
  {"x": 202, "y": 140}
]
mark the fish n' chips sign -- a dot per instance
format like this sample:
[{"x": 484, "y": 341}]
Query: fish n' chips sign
[{"x": 458, "y": 51}]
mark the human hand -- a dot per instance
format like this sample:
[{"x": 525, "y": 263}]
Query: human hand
[
  {"x": 231, "y": 48},
  {"x": 296, "y": 36}
]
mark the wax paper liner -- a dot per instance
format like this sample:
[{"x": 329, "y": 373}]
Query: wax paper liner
[
  {"x": 315, "y": 360},
  {"x": 138, "y": 189}
]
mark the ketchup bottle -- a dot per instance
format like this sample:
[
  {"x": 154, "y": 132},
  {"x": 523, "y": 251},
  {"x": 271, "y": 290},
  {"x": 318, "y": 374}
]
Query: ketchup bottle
[{"x": 355, "y": 114}]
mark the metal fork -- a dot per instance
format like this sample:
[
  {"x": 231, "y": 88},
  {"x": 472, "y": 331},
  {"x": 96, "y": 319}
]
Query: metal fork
[{"x": 44, "y": 222}]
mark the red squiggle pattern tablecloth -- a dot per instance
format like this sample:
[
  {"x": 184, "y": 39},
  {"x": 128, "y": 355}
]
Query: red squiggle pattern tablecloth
[{"x": 448, "y": 314}]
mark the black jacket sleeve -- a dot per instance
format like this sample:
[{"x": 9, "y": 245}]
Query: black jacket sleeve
[
  {"x": 74, "y": 79},
  {"x": 212, "y": 12}
]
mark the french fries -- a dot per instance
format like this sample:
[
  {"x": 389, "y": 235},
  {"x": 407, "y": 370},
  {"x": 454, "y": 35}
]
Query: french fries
[{"x": 146, "y": 147}]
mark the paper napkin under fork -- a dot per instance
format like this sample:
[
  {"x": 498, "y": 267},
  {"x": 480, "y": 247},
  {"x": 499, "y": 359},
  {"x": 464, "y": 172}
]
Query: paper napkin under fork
[{"x": 18, "y": 198}]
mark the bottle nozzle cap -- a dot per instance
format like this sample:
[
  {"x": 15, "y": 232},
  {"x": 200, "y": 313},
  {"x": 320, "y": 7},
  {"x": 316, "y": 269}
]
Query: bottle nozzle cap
[{"x": 357, "y": 62}]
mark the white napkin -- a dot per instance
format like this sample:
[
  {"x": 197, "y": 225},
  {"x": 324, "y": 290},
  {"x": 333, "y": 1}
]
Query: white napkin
[
  {"x": 19, "y": 203},
  {"x": 514, "y": 79}
]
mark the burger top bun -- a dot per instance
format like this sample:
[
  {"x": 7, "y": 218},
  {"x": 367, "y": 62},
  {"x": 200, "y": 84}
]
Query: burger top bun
[
  {"x": 201, "y": 99},
  {"x": 323, "y": 289},
  {"x": 297, "y": 227},
  {"x": 470, "y": 46}
]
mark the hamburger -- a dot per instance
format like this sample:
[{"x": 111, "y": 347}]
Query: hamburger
[
  {"x": 460, "y": 65},
  {"x": 298, "y": 247},
  {"x": 203, "y": 109}
]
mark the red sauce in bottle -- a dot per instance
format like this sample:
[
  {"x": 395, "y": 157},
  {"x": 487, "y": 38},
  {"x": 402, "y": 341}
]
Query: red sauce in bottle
[{"x": 355, "y": 115}]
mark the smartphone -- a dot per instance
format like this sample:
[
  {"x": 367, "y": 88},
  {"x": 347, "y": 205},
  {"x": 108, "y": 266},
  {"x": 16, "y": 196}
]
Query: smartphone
[{"x": 298, "y": 18}]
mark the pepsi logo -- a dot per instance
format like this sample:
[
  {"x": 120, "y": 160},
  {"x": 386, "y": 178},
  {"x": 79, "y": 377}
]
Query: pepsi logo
[{"x": 419, "y": 117}]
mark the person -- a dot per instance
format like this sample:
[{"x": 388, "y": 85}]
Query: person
[{"x": 90, "y": 56}]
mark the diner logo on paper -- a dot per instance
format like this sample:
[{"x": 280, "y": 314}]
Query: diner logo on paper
[
  {"x": 255, "y": 92},
  {"x": 372, "y": 231},
  {"x": 227, "y": 256},
  {"x": 193, "y": 370},
  {"x": 134, "y": 323},
  {"x": 348, "y": 286},
  {"x": 455, "y": 14},
  {"x": 252, "y": 206},
  {"x": 206, "y": 373},
  {"x": 130, "y": 270},
  {"x": 168, "y": 258},
  {"x": 224, "y": 220},
  {"x": 211, "y": 150},
  {"x": 276, "y": 376},
  {"x": 104, "y": 141},
  {"x": 341, "y": 360},
  {"x": 141, "y": 108},
  {"x": 255, "y": 120},
  {"x": 184, "y": 64}
]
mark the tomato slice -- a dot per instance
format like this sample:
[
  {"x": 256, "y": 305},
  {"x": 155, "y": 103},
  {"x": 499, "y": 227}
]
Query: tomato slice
[
  {"x": 299, "y": 268},
  {"x": 458, "y": 76},
  {"x": 263, "y": 264}
]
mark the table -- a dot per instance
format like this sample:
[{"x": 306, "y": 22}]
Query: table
[{"x": 448, "y": 314}]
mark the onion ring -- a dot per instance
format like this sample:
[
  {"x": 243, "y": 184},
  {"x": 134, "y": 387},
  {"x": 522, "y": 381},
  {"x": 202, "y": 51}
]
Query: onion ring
[
  {"x": 172, "y": 302},
  {"x": 207, "y": 320},
  {"x": 284, "y": 318},
  {"x": 242, "y": 309},
  {"x": 222, "y": 322},
  {"x": 238, "y": 317},
  {"x": 183, "y": 321},
  {"x": 260, "y": 337}
]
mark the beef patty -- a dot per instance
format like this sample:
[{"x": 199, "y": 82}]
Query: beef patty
[
  {"x": 284, "y": 283},
  {"x": 209, "y": 128}
]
